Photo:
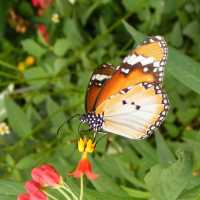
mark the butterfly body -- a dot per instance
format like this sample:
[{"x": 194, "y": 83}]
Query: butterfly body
[
  {"x": 129, "y": 100},
  {"x": 94, "y": 121}
]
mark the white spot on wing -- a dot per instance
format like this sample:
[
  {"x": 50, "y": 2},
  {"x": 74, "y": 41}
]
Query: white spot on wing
[
  {"x": 133, "y": 59},
  {"x": 156, "y": 64},
  {"x": 145, "y": 69},
  {"x": 146, "y": 61},
  {"x": 100, "y": 77},
  {"x": 158, "y": 37},
  {"x": 126, "y": 71}
]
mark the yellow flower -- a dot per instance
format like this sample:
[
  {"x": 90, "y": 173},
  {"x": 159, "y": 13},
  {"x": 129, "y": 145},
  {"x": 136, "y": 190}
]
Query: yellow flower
[
  {"x": 4, "y": 129},
  {"x": 81, "y": 145},
  {"x": 30, "y": 60},
  {"x": 21, "y": 66},
  {"x": 90, "y": 147},
  {"x": 86, "y": 146}
]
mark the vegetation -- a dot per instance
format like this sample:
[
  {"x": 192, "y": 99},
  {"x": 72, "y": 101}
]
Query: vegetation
[{"x": 47, "y": 55}]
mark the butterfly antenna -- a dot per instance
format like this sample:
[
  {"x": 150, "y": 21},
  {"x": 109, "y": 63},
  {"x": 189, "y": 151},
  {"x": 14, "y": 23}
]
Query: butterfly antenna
[
  {"x": 79, "y": 128},
  {"x": 67, "y": 121}
]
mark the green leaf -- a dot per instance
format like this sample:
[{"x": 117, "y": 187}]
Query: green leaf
[
  {"x": 184, "y": 69},
  {"x": 175, "y": 36},
  {"x": 137, "y": 36},
  {"x": 17, "y": 118},
  {"x": 135, "y": 6},
  {"x": 33, "y": 48},
  {"x": 59, "y": 64},
  {"x": 191, "y": 134},
  {"x": 91, "y": 195},
  {"x": 71, "y": 30},
  {"x": 26, "y": 162},
  {"x": 10, "y": 189},
  {"x": 25, "y": 9},
  {"x": 36, "y": 76},
  {"x": 55, "y": 111},
  {"x": 63, "y": 7},
  {"x": 165, "y": 155},
  {"x": 146, "y": 150},
  {"x": 187, "y": 115},
  {"x": 193, "y": 194},
  {"x": 172, "y": 130},
  {"x": 103, "y": 181},
  {"x": 7, "y": 197},
  {"x": 136, "y": 193},
  {"x": 192, "y": 30},
  {"x": 61, "y": 46},
  {"x": 168, "y": 183}
]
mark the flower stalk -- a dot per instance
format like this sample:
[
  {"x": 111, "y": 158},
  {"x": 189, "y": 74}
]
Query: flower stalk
[
  {"x": 81, "y": 188},
  {"x": 69, "y": 190},
  {"x": 50, "y": 196},
  {"x": 64, "y": 194}
]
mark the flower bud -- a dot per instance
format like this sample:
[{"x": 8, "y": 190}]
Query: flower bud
[
  {"x": 46, "y": 175},
  {"x": 42, "y": 30},
  {"x": 23, "y": 196},
  {"x": 39, "y": 195},
  {"x": 32, "y": 186}
]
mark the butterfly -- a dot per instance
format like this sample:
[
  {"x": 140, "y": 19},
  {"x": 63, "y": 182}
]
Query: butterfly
[{"x": 129, "y": 100}]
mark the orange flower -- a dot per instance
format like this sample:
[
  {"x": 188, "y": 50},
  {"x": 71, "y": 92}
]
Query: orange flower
[{"x": 84, "y": 167}]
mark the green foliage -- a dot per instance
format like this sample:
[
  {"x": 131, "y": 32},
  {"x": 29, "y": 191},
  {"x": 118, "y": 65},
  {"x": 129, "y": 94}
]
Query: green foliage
[
  {"x": 9, "y": 189},
  {"x": 159, "y": 181},
  {"x": 33, "y": 48},
  {"x": 37, "y": 99},
  {"x": 17, "y": 118}
]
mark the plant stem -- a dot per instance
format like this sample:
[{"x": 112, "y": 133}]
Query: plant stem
[
  {"x": 63, "y": 193},
  {"x": 81, "y": 188},
  {"x": 49, "y": 195},
  {"x": 7, "y": 65},
  {"x": 68, "y": 189}
]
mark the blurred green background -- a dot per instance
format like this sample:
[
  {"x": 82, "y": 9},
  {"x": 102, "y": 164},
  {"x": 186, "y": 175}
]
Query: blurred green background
[{"x": 47, "y": 55}]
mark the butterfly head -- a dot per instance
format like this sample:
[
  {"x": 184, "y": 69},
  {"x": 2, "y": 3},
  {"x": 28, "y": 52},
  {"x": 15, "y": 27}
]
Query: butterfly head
[{"x": 94, "y": 121}]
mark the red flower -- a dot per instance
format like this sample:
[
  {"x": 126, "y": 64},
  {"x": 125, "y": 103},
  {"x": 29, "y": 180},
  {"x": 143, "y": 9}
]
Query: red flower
[
  {"x": 41, "y": 3},
  {"x": 23, "y": 196},
  {"x": 42, "y": 29},
  {"x": 84, "y": 167},
  {"x": 46, "y": 175},
  {"x": 32, "y": 186},
  {"x": 38, "y": 195}
]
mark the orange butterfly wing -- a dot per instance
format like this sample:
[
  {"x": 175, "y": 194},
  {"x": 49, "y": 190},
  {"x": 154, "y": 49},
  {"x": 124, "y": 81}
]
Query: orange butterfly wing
[
  {"x": 97, "y": 80},
  {"x": 144, "y": 64}
]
